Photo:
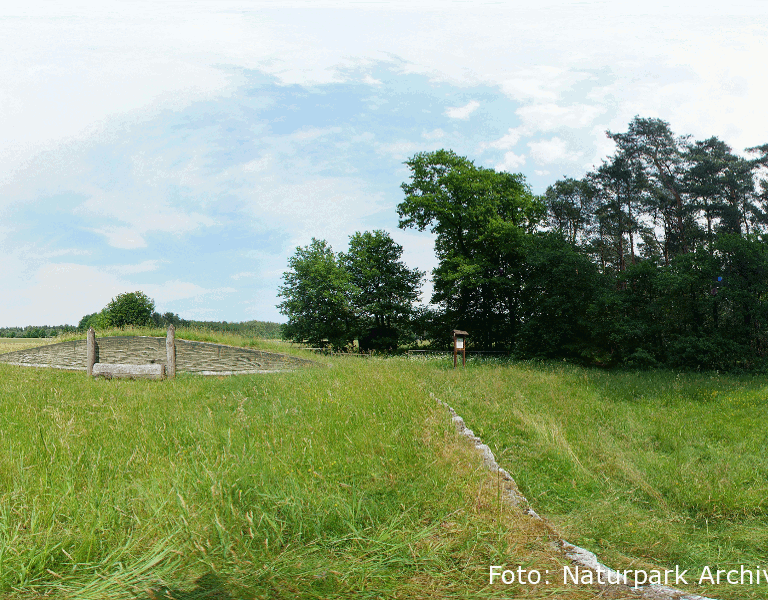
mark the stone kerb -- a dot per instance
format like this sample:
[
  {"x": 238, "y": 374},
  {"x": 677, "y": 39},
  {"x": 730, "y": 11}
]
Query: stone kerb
[
  {"x": 195, "y": 357},
  {"x": 122, "y": 371}
]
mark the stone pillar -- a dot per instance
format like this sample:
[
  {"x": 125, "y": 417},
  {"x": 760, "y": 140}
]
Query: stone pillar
[
  {"x": 170, "y": 352},
  {"x": 90, "y": 351}
]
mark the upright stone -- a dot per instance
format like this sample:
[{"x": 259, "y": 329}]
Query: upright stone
[
  {"x": 170, "y": 352},
  {"x": 90, "y": 351}
]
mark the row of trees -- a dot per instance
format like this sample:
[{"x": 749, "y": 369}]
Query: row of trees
[
  {"x": 366, "y": 293},
  {"x": 36, "y": 331},
  {"x": 138, "y": 310},
  {"x": 657, "y": 257},
  {"x": 256, "y": 329},
  {"x": 660, "y": 196},
  {"x": 676, "y": 230}
]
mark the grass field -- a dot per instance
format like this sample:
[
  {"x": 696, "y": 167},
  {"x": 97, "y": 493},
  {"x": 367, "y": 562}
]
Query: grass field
[
  {"x": 334, "y": 482},
  {"x": 348, "y": 480},
  {"x": 12, "y": 344},
  {"x": 648, "y": 470}
]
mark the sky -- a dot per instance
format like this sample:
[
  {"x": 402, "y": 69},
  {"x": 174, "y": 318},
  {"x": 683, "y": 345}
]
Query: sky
[{"x": 187, "y": 148}]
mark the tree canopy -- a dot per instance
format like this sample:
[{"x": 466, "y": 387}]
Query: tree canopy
[
  {"x": 130, "y": 308},
  {"x": 384, "y": 289},
  {"x": 658, "y": 256},
  {"x": 366, "y": 293},
  {"x": 316, "y": 292},
  {"x": 676, "y": 228},
  {"x": 480, "y": 218}
]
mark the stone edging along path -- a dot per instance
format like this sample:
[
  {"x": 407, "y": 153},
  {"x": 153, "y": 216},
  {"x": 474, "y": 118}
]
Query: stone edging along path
[{"x": 578, "y": 556}]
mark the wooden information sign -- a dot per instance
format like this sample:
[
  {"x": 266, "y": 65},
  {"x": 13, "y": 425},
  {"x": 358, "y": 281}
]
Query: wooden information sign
[{"x": 459, "y": 346}]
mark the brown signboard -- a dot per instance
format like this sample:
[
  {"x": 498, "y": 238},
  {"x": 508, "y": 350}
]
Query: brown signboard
[{"x": 459, "y": 345}]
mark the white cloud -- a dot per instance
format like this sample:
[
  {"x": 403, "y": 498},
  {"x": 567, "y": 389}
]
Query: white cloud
[
  {"x": 511, "y": 162},
  {"x": 257, "y": 165},
  {"x": 64, "y": 252},
  {"x": 399, "y": 150},
  {"x": 552, "y": 151},
  {"x": 269, "y": 265},
  {"x": 365, "y": 137},
  {"x": 507, "y": 141},
  {"x": 539, "y": 83},
  {"x": 142, "y": 267},
  {"x": 117, "y": 61},
  {"x": 543, "y": 117},
  {"x": 463, "y": 112},
  {"x": 171, "y": 291},
  {"x": 323, "y": 207},
  {"x": 78, "y": 290},
  {"x": 550, "y": 116},
  {"x": 126, "y": 238},
  {"x": 308, "y": 134},
  {"x": 77, "y": 72},
  {"x": 435, "y": 134},
  {"x": 140, "y": 218},
  {"x": 371, "y": 81},
  {"x": 244, "y": 274}
]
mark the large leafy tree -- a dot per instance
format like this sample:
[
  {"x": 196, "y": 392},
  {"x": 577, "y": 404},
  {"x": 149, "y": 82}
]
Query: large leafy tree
[
  {"x": 131, "y": 308},
  {"x": 383, "y": 290},
  {"x": 316, "y": 292},
  {"x": 480, "y": 219}
]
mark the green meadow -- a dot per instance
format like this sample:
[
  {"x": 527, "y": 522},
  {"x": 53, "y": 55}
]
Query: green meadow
[
  {"x": 646, "y": 469},
  {"x": 348, "y": 480},
  {"x": 339, "y": 481}
]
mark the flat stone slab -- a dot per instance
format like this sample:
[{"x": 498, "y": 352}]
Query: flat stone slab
[{"x": 123, "y": 371}]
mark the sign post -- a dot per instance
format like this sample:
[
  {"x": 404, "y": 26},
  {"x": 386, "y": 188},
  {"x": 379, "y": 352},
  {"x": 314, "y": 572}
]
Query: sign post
[{"x": 459, "y": 345}]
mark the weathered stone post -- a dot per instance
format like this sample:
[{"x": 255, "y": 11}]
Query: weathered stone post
[
  {"x": 90, "y": 358},
  {"x": 170, "y": 352}
]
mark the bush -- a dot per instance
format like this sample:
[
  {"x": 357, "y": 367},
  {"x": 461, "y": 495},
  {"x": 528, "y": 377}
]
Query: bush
[
  {"x": 131, "y": 308},
  {"x": 97, "y": 320}
]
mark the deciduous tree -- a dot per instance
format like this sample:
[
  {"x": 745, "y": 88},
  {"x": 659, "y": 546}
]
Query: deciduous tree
[
  {"x": 316, "y": 292},
  {"x": 131, "y": 308},
  {"x": 480, "y": 219},
  {"x": 384, "y": 289}
]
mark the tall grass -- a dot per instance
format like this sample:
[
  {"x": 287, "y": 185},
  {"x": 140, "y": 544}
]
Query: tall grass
[
  {"x": 647, "y": 469},
  {"x": 323, "y": 483}
]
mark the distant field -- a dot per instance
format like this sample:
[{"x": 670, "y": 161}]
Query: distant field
[{"x": 12, "y": 344}]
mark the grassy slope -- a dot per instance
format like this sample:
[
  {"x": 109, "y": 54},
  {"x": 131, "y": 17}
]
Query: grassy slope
[
  {"x": 646, "y": 469},
  {"x": 330, "y": 482}
]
